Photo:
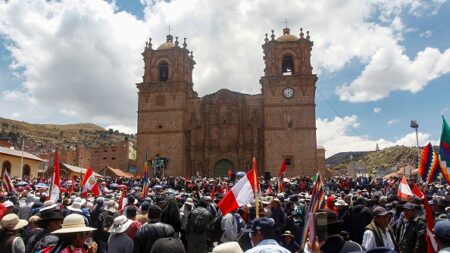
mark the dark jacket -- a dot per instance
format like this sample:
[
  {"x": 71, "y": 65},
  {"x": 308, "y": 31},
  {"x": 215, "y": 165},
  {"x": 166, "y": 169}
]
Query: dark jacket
[
  {"x": 149, "y": 233},
  {"x": 198, "y": 240},
  {"x": 337, "y": 244},
  {"x": 411, "y": 236},
  {"x": 6, "y": 241},
  {"x": 41, "y": 240},
  {"x": 361, "y": 216},
  {"x": 103, "y": 222}
]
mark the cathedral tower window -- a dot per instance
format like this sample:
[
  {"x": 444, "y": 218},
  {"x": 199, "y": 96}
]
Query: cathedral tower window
[
  {"x": 163, "y": 72},
  {"x": 287, "y": 65}
]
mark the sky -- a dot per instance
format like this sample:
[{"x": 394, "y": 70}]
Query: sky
[{"x": 380, "y": 63}]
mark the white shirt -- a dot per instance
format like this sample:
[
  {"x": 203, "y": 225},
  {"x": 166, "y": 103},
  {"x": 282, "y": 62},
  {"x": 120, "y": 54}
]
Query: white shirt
[
  {"x": 370, "y": 243},
  {"x": 268, "y": 246}
]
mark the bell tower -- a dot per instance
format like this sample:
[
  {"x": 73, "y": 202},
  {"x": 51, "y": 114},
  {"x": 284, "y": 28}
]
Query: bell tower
[
  {"x": 162, "y": 98},
  {"x": 288, "y": 89}
]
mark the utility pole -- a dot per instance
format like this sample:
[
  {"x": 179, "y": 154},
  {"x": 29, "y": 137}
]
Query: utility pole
[
  {"x": 415, "y": 126},
  {"x": 21, "y": 158}
]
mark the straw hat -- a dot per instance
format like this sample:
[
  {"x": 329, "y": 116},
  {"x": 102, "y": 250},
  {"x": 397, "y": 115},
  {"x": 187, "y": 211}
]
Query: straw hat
[
  {"x": 77, "y": 204},
  {"x": 12, "y": 222},
  {"x": 111, "y": 206},
  {"x": 288, "y": 233},
  {"x": 120, "y": 225},
  {"x": 228, "y": 247},
  {"x": 189, "y": 201},
  {"x": 340, "y": 202},
  {"x": 48, "y": 205},
  {"x": 73, "y": 223}
]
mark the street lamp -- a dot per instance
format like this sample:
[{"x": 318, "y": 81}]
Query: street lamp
[{"x": 415, "y": 126}]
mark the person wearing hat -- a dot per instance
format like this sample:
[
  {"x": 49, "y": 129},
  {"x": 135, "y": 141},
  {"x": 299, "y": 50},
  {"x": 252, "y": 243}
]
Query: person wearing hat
[
  {"x": 33, "y": 227},
  {"x": 10, "y": 242},
  {"x": 77, "y": 207},
  {"x": 334, "y": 242},
  {"x": 279, "y": 216},
  {"x": 262, "y": 236},
  {"x": 119, "y": 241},
  {"x": 9, "y": 205},
  {"x": 378, "y": 233},
  {"x": 72, "y": 235},
  {"x": 51, "y": 218},
  {"x": 442, "y": 232},
  {"x": 360, "y": 216},
  {"x": 103, "y": 223},
  {"x": 185, "y": 211},
  {"x": 288, "y": 241},
  {"x": 411, "y": 231}
]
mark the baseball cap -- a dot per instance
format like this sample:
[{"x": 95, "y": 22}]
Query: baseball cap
[
  {"x": 442, "y": 229},
  {"x": 8, "y": 204},
  {"x": 380, "y": 211},
  {"x": 263, "y": 224},
  {"x": 409, "y": 206}
]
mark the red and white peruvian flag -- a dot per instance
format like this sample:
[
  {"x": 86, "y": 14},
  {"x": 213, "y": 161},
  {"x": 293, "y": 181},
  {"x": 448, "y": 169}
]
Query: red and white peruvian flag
[
  {"x": 7, "y": 184},
  {"x": 242, "y": 192},
  {"x": 404, "y": 192},
  {"x": 55, "y": 187},
  {"x": 89, "y": 183}
]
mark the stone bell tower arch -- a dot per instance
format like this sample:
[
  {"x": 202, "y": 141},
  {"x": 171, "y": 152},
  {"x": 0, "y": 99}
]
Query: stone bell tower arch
[
  {"x": 288, "y": 89},
  {"x": 163, "y": 94}
]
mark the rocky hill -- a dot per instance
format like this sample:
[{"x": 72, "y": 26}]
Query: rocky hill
[
  {"x": 46, "y": 135},
  {"x": 397, "y": 156}
]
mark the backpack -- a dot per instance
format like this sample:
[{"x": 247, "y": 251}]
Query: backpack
[
  {"x": 215, "y": 229},
  {"x": 200, "y": 222}
]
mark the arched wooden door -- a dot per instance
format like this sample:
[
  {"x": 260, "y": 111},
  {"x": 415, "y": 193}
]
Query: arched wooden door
[{"x": 222, "y": 166}]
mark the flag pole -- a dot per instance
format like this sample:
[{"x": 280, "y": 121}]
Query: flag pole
[{"x": 255, "y": 190}]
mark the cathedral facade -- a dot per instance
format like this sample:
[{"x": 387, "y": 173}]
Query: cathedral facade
[{"x": 208, "y": 135}]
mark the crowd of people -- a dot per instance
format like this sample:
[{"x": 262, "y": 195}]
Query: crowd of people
[{"x": 182, "y": 215}]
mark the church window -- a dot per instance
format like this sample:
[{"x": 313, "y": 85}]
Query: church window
[
  {"x": 289, "y": 161},
  {"x": 287, "y": 66},
  {"x": 163, "y": 72},
  {"x": 6, "y": 166},
  {"x": 26, "y": 171}
]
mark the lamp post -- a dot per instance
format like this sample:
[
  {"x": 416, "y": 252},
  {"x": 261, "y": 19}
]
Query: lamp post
[{"x": 415, "y": 126}]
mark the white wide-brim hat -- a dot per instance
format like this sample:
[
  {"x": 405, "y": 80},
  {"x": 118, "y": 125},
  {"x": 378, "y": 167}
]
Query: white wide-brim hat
[
  {"x": 120, "y": 225},
  {"x": 73, "y": 223},
  {"x": 12, "y": 222},
  {"x": 228, "y": 247}
]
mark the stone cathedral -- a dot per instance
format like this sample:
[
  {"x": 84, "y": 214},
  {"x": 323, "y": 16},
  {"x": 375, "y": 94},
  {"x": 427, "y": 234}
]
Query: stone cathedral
[{"x": 208, "y": 135}]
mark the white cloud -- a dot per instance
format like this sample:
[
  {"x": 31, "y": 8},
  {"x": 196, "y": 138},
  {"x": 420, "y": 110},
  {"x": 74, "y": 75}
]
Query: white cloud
[
  {"x": 377, "y": 110},
  {"x": 81, "y": 59},
  {"x": 393, "y": 122},
  {"x": 123, "y": 129},
  {"x": 426, "y": 34},
  {"x": 68, "y": 112},
  {"x": 390, "y": 70},
  {"x": 334, "y": 136}
]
